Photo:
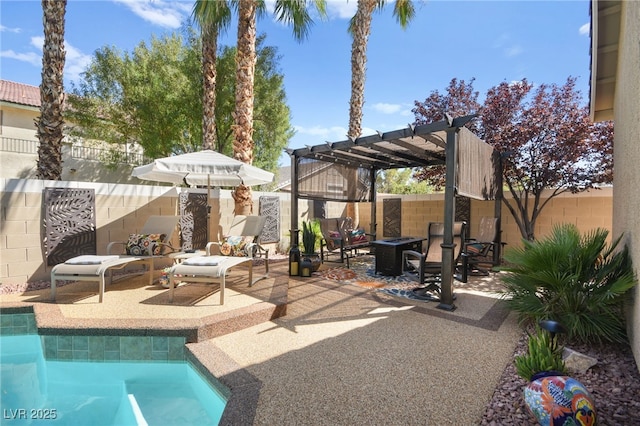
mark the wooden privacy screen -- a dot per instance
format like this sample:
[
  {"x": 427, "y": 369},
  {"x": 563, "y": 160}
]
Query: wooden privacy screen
[
  {"x": 193, "y": 221},
  {"x": 69, "y": 227},
  {"x": 270, "y": 207}
]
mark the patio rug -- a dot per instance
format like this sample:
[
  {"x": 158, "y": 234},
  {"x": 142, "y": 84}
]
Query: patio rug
[{"x": 362, "y": 273}]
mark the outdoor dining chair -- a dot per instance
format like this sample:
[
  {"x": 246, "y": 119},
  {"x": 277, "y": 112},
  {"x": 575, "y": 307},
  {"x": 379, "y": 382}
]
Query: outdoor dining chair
[{"x": 427, "y": 266}]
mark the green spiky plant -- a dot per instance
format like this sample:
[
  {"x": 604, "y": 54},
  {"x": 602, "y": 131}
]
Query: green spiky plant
[
  {"x": 309, "y": 237},
  {"x": 579, "y": 281},
  {"x": 543, "y": 354}
]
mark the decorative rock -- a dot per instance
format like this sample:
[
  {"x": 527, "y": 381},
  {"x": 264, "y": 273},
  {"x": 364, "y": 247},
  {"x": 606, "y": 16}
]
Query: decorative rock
[
  {"x": 577, "y": 362},
  {"x": 559, "y": 400}
]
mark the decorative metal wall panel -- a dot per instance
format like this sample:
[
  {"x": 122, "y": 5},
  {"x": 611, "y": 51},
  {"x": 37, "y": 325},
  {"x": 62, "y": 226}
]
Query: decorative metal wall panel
[
  {"x": 270, "y": 207},
  {"x": 193, "y": 221},
  {"x": 392, "y": 217},
  {"x": 319, "y": 209},
  {"x": 463, "y": 209},
  {"x": 69, "y": 227}
]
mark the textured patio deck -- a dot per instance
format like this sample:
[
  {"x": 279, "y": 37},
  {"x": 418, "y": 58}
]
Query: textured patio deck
[{"x": 342, "y": 354}]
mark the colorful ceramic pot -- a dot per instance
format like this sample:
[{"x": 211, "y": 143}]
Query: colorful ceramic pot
[{"x": 559, "y": 400}]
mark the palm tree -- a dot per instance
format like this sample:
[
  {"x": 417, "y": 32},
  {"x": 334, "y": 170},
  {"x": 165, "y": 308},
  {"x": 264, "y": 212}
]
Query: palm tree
[
  {"x": 212, "y": 16},
  {"x": 293, "y": 12},
  {"x": 50, "y": 124},
  {"x": 360, "y": 29}
]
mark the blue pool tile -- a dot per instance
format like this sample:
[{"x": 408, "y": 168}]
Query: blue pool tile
[
  {"x": 80, "y": 343},
  {"x": 96, "y": 348},
  {"x": 65, "y": 343},
  {"x": 160, "y": 343},
  {"x": 112, "y": 343},
  {"x": 135, "y": 348}
]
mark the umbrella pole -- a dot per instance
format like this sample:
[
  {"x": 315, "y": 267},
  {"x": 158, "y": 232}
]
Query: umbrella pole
[{"x": 209, "y": 208}]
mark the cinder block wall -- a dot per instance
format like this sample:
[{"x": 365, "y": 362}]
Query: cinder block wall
[
  {"x": 586, "y": 210},
  {"x": 122, "y": 209}
]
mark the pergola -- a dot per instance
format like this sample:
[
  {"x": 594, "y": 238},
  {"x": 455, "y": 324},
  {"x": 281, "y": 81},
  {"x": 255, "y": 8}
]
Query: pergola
[{"x": 346, "y": 171}]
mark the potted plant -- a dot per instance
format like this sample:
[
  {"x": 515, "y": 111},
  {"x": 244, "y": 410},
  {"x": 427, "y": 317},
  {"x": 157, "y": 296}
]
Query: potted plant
[
  {"x": 551, "y": 396},
  {"x": 309, "y": 239},
  {"x": 543, "y": 355}
]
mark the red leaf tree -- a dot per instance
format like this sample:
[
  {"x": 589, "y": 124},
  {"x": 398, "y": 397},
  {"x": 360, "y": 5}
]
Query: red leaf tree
[{"x": 545, "y": 137}]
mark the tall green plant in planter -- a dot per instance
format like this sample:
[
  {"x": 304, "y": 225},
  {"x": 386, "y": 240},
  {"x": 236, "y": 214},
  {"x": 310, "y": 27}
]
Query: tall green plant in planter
[
  {"x": 309, "y": 241},
  {"x": 577, "y": 280},
  {"x": 309, "y": 238}
]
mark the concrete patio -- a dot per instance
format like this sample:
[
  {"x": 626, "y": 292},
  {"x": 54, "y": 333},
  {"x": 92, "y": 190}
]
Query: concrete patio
[{"x": 312, "y": 350}]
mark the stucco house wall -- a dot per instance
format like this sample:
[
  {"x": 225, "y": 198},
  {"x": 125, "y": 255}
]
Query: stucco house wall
[
  {"x": 626, "y": 196},
  {"x": 19, "y": 107}
]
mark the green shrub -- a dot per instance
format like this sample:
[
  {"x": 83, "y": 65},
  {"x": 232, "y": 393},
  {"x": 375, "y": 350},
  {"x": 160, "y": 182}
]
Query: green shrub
[
  {"x": 543, "y": 354},
  {"x": 579, "y": 281},
  {"x": 309, "y": 236}
]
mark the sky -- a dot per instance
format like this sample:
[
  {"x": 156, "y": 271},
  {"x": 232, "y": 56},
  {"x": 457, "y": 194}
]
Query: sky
[{"x": 492, "y": 41}]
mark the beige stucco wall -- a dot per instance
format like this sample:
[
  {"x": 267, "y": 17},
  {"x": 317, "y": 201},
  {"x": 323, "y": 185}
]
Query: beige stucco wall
[
  {"x": 122, "y": 209},
  {"x": 18, "y": 121},
  {"x": 626, "y": 196},
  {"x": 18, "y": 125}
]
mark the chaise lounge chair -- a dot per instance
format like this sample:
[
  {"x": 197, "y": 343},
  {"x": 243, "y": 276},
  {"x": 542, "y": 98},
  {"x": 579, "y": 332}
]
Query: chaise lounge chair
[
  {"x": 239, "y": 248},
  {"x": 428, "y": 265},
  {"x": 142, "y": 248}
]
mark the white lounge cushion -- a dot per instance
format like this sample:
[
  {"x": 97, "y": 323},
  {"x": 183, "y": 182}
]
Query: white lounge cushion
[
  {"x": 89, "y": 259},
  {"x": 204, "y": 261}
]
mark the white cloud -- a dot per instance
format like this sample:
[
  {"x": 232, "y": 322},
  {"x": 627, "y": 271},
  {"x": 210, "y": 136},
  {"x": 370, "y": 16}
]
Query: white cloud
[
  {"x": 37, "y": 42},
  {"x": 162, "y": 13},
  {"x": 507, "y": 46},
  {"x": 75, "y": 60},
  {"x": 385, "y": 108},
  {"x": 9, "y": 30},
  {"x": 341, "y": 9},
  {"x": 585, "y": 29},
  {"x": 319, "y": 133},
  {"x": 513, "y": 51},
  {"x": 30, "y": 57}
]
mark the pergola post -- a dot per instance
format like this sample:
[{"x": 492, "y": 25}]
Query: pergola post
[
  {"x": 293, "y": 232},
  {"x": 373, "y": 227},
  {"x": 497, "y": 207},
  {"x": 451, "y": 150}
]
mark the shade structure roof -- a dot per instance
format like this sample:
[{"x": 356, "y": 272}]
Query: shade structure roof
[
  {"x": 203, "y": 168},
  {"x": 413, "y": 146}
]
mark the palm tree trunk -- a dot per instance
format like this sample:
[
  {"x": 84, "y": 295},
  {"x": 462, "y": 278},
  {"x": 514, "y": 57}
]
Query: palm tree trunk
[
  {"x": 243, "y": 117},
  {"x": 209, "y": 51},
  {"x": 50, "y": 124},
  {"x": 361, "y": 30}
]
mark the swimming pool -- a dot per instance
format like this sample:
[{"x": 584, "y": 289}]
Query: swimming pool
[{"x": 37, "y": 391}]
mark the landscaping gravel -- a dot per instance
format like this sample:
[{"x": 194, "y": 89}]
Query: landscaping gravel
[{"x": 614, "y": 383}]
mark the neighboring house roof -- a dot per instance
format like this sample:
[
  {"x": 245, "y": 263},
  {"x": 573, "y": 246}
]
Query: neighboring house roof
[
  {"x": 19, "y": 93},
  {"x": 605, "y": 32}
]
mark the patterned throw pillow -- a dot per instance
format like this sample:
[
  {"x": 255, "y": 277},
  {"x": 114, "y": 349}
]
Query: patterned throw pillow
[
  {"x": 145, "y": 244},
  {"x": 235, "y": 246},
  {"x": 334, "y": 240},
  {"x": 358, "y": 236}
]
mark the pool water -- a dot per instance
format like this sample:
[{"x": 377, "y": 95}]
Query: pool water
[{"x": 37, "y": 391}]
